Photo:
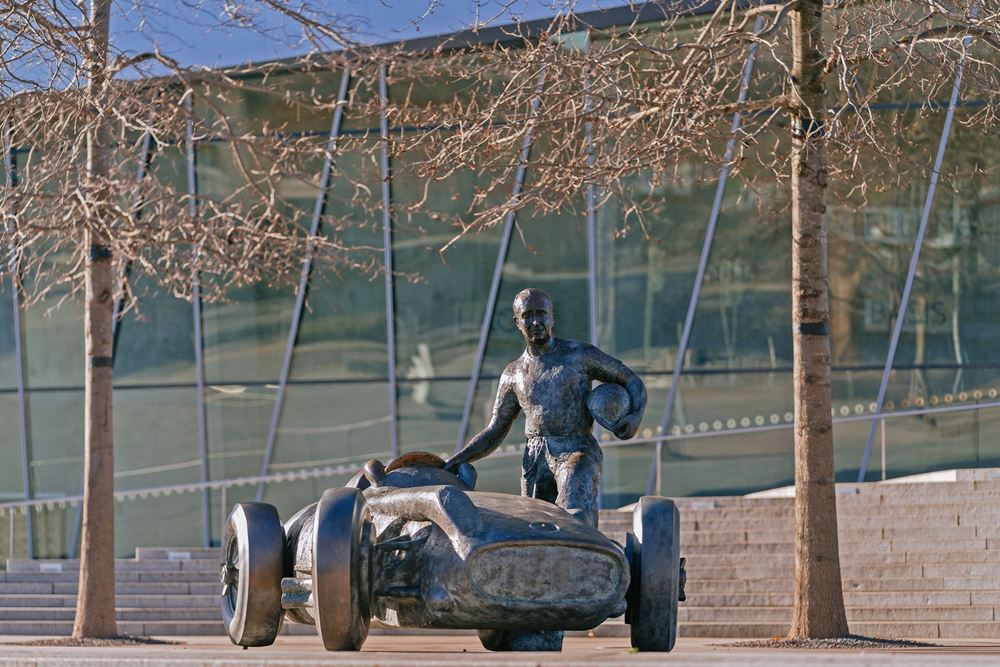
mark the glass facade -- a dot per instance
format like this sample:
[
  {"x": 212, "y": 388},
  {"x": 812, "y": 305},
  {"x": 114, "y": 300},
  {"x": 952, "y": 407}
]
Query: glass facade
[{"x": 730, "y": 424}]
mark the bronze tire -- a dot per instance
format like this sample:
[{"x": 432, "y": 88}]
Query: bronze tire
[
  {"x": 253, "y": 546},
  {"x": 654, "y": 557},
  {"x": 341, "y": 589}
]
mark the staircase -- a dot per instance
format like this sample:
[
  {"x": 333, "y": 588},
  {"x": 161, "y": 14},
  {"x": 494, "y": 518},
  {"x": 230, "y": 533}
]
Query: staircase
[
  {"x": 920, "y": 559},
  {"x": 159, "y": 592}
]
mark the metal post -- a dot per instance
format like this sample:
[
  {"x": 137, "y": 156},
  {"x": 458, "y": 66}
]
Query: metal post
[
  {"x": 883, "y": 449},
  {"x": 653, "y": 479},
  {"x": 588, "y": 129},
  {"x": 223, "y": 514},
  {"x": 145, "y": 156},
  {"x": 300, "y": 295},
  {"x": 13, "y": 256},
  {"x": 491, "y": 301},
  {"x": 199, "y": 361},
  {"x": 917, "y": 247},
  {"x": 390, "y": 305}
]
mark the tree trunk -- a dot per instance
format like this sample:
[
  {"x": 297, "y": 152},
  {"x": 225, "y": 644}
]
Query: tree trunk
[
  {"x": 95, "y": 602},
  {"x": 818, "y": 598}
]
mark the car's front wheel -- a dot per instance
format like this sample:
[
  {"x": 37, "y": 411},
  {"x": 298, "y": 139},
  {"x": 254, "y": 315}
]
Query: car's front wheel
[
  {"x": 340, "y": 576},
  {"x": 653, "y": 550},
  {"x": 253, "y": 547}
]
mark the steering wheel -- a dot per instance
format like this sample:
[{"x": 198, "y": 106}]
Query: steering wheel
[{"x": 415, "y": 459}]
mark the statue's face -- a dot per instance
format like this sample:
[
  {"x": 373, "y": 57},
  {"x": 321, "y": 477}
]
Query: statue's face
[{"x": 534, "y": 320}]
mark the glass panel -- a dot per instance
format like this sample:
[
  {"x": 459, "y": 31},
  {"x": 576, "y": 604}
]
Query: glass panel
[
  {"x": 56, "y": 442},
  {"x": 288, "y": 102},
  {"x": 342, "y": 333},
  {"x": 430, "y": 412},
  {"x": 156, "y": 439},
  {"x": 439, "y": 310},
  {"x": 155, "y": 341},
  {"x": 238, "y": 419},
  {"x": 728, "y": 465},
  {"x": 53, "y": 338},
  {"x": 626, "y": 468},
  {"x": 8, "y": 360},
  {"x": 52, "y": 527},
  {"x": 332, "y": 424},
  {"x": 156, "y": 444},
  {"x": 156, "y": 520},
  {"x": 548, "y": 252},
  {"x": 246, "y": 333},
  {"x": 11, "y": 487}
]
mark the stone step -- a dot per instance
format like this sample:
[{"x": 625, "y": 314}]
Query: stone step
[
  {"x": 784, "y": 585},
  {"x": 783, "y": 509},
  {"x": 177, "y": 553},
  {"x": 847, "y": 558},
  {"x": 123, "y": 601},
  {"x": 884, "y": 629},
  {"x": 207, "y": 576},
  {"x": 696, "y": 570},
  {"x": 956, "y": 534},
  {"x": 786, "y": 523},
  {"x": 68, "y": 614},
  {"x": 143, "y": 628},
  {"x": 937, "y": 598},
  {"x": 854, "y": 614},
  {"x": 852, "y": 548},
  {"x": 121, "y": 588},
  {"x": 121, "y": 565}
]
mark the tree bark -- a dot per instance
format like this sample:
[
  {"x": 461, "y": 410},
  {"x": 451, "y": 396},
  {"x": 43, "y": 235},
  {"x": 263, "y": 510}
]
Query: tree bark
[
  {"x": 95, "y": 602},
  {"x": 818, "y": 597}
]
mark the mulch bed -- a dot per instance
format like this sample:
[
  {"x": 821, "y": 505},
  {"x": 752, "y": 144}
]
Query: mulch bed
[
  {"x": 122, "y": 640},
  {"x": 848, "y": 642}
]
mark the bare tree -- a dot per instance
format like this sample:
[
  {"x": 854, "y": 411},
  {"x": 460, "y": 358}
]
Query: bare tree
[
  {"x": 626, "y": 108},
  {"x": 78, "y": 109}
]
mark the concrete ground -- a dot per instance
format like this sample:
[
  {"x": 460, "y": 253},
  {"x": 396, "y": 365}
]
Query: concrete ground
[{"x": 424, "y": 650}]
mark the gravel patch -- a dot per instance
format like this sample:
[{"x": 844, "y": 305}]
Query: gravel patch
[
  {"x": 848, "y": 642},
  {"x": 122, "y": 640}
]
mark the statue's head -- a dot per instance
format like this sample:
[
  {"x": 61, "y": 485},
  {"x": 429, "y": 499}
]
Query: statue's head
[{"x": 533, "y": 316}]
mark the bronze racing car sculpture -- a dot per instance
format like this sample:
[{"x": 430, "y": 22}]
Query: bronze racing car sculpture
[{"x": 413, "y": 545}]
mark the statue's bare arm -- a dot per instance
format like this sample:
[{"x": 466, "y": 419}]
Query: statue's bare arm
[
  {"x": 606, "y": 368},
  {"x": 505, "y": 411}
]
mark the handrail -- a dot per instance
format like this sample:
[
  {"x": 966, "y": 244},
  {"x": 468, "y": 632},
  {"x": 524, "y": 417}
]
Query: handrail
[
  {"x": 503, "y": 452},
  {"x": 130, "y": 494}
]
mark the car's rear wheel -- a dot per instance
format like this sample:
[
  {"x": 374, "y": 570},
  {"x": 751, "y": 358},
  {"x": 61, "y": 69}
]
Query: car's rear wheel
[
  {"x": 341, "y": 587},
  {"x": 653, "y": 550},
  {"x": 253, "y": 546}
]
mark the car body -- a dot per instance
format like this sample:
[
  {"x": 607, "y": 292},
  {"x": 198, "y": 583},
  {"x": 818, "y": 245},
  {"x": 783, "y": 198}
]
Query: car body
[{"x": 415, "y": 546}]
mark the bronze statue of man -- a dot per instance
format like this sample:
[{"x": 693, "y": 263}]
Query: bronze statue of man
[{"x": 550, "y": 382}]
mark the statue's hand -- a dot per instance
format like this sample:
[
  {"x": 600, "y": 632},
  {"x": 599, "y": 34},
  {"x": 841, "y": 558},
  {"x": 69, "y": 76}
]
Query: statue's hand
[{"x": 626, "y": 427}]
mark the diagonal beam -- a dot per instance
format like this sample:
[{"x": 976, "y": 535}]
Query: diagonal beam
[
  {"x": 199, "y": 341},
  {"x": 390, "y": 300},
  {"x": 917, "y": 247},
  {"x": 319, "y": 206},
  {"x": 653, "y": 481},
  {"x": 13, "y": 269},
  {"x": 508, "y": 227}
]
